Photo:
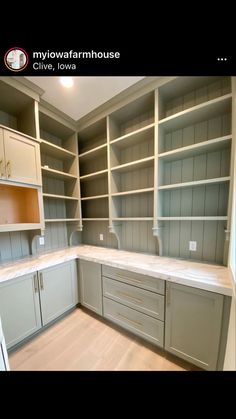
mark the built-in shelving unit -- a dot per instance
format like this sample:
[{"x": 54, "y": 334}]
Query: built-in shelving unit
[
  {"x": 60, "y": 171},
  {"x": 194, "y": 152}
]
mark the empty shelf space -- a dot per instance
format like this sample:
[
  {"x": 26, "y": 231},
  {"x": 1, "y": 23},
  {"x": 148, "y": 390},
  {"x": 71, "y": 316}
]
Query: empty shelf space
[
  {"x": 98, "y": 174},
  {"x": 52, "y": 196},
  {"x": 57, "y": 174},
  {"x": 195, "y": 183},
  {"x": 133, "y": 192},
  {"x": 221, "y": 218},
  {"x": 206, "y": 110},
  {"x": 55, "y": 151},
  {"x": 138, "y": 164},
  {"x": 132, "y": 117},
  {"x": 95, "y": 219},
  {"x": 135, "y": 137},
  {"x": 88, "y": 198},
  {"x": 192, "y": 150},
  {"x": 132, "y": 206},
  {"x": 95, "y": 187},
  {"x": 54, "y": 132},
  {"x": 185, "y": 92},
  {"x": 96, "y": 163},
  {"x": 91, "y": 209},
  {"x": 92, "y": 137},
  {"x": 94, "y": 152},
  {"x": 139, "y": 179}
]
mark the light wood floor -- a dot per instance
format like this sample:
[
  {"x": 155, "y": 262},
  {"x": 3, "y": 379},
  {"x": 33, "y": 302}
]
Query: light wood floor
[{"x": 82, "y": 341}]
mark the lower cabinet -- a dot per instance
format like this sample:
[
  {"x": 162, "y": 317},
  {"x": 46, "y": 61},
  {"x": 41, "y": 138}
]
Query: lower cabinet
[
  {"x": 140, "y": 308},
  {"x": 90, "y": 281},
  {"x": 193, "y": 324},
  {"x": 31, "y": 301}
]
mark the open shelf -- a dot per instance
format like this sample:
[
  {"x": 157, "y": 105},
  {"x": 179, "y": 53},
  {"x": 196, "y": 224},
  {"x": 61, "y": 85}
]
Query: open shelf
[
  {"x": 94, "y": 152},
  {"x": 92, "y": 137},
  {"x": 60, "y": 220},
  {"x": 19, "y": 208},
  {"x": 192, "y": 150},
  {"x": 138, "y": 164},
  {"x": 198, "y": 113},
  {"x": 132, "y": 117},
  {"x": 130, "y": 206},
  {"x": 88, "y": 198},
  {"x": 56, "y": 133},
  {"x": 91, "y": 210},
  {"x": 133, "y": 219},
  {"x": 95, "y": 219},
  {"x": 52, "y": 196},
  {"x": 195, "y": 183},
  {"x": 55, "y": 151},
  {"x": 134, "y": 192},
  {"x": 135, "y": 137},
  {"x": 93, "y": 162},
  {"x": 211, "y": 218},
  {"x": 57, "y": 174},
  {"x": 97, "y": 175}
]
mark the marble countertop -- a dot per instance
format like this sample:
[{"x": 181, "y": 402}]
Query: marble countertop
[{"x": 199, "y": 275}]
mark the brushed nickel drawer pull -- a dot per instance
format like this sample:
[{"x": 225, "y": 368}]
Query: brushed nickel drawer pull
[
  {"x": 8, "y": 168},
  {"x": 41, "y": 281},
  {"x": 124, "y": 294},
  {"x": 127, "y": 319},
  {"x": 36, "y": 289}
]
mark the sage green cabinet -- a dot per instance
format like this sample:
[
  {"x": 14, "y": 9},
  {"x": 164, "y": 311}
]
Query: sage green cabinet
[
  {"x": 90, "y": 285},
  {"x": 19, "y": 308},
  {"x": 193, "y": 324},
  {"x": 31, "y": 301},
  {"x": 58, "y": 290},
  {"x": 20, "y": 158}
]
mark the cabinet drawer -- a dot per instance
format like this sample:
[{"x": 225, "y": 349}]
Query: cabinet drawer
[
  {"x": 141, "y": 281},
  {"x": 138, "y": 323},
  {"x": 145, "y": 301}
]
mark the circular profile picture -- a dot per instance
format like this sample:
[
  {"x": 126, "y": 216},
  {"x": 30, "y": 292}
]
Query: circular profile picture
[{"x": 16, "y": 59}]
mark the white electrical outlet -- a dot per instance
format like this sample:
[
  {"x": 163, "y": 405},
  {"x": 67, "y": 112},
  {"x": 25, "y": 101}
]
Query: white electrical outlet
[
  {"x": 41, "y": 241},
  {"x": 192, "y": 246},
  {"x": 101, "y": 236}
]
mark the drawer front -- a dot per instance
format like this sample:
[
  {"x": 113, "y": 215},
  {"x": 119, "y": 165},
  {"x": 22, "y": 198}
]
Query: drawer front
[
  {"x": 142, "y": 281},
  {"x": 145, "y": 301},
  {"x": 147, "y": 327}
]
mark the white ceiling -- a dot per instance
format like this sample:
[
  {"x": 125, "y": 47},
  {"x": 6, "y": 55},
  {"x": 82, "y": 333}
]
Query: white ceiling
[{"x": 87, "y": 93}]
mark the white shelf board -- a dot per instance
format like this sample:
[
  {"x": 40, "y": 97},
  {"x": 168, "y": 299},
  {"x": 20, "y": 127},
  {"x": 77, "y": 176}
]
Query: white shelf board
[
  {"x": 137, "y": 164},
  {"x": 132, "y": 219},
  {"x": 94, "y": 152},
  {"x": 135, "y": 137},
  {"x": 56, "y": 174},
  {"x": 52, "y": 196},
  {"x": 192, "y": 150},
  {"x": 60, "y": 220},
  {"x": 20, "y": 227},
  {"x": 203, "y": 218},
  {"x": 195, "y": 183},
  {"x": 55, "y": 151},
  {"x": 133, "y": 192},
  {"x": 101, "y": 173},
  {"x": 201, "y": 112},
  {"x": 89, "y": 198},
  {"x": 95, "y": 219}
]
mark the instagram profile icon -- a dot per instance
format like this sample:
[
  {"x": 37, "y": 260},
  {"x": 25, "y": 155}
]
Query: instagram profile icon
[{"x": 16, "y": 59}]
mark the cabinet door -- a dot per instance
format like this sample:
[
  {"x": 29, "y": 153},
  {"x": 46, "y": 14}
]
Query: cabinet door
[
  {"x": 2, "y": 156},
  {"x": 22, "y": 158},
  {"x": 19, "y": 308},
  {"x": 91, "y": 285},
  {"x": 57, "y": 290},
  {"x": 193, "y": 324}
]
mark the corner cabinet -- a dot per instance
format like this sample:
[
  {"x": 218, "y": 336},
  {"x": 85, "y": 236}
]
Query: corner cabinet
[
  {"x": 91, "y": 285},
  {"x": 32, "y": 301},
  {"x": 193, "y": 324}
]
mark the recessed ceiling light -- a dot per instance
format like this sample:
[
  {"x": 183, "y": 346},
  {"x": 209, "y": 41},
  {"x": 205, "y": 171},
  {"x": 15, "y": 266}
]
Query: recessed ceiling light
[{"x": 66, "y": 81}]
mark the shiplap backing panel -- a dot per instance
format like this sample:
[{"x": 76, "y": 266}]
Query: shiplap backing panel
[
  {"x": 132, "y": 153},
  {"x": 98, "y": 186},
  {"x": 53, "y": 186},
  {"x": 14, "y": 245},
  {"x": 8, "y": 120},
  {"x": 193, "y": 134},
  {"x": 56, "y": 237},
  {"x": 137, "y": 179},
  {"x": 140, "y": 205},
  {"x": 204, "y": 166},
  {"x": 209, "y": 236},
  {"x": 94, "y": 164},
  {"x": 91, "y": 234},
  {"x": 137, "y": 236},
  {"x": 197, "y": 96},
  {"x": 136, "y": 123},
  {"x": 95, "y": 209},
  {"x": 209, "y": 200},
  {"x": 92, "y": 143},
  {"x": 51, "y": 138}
]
